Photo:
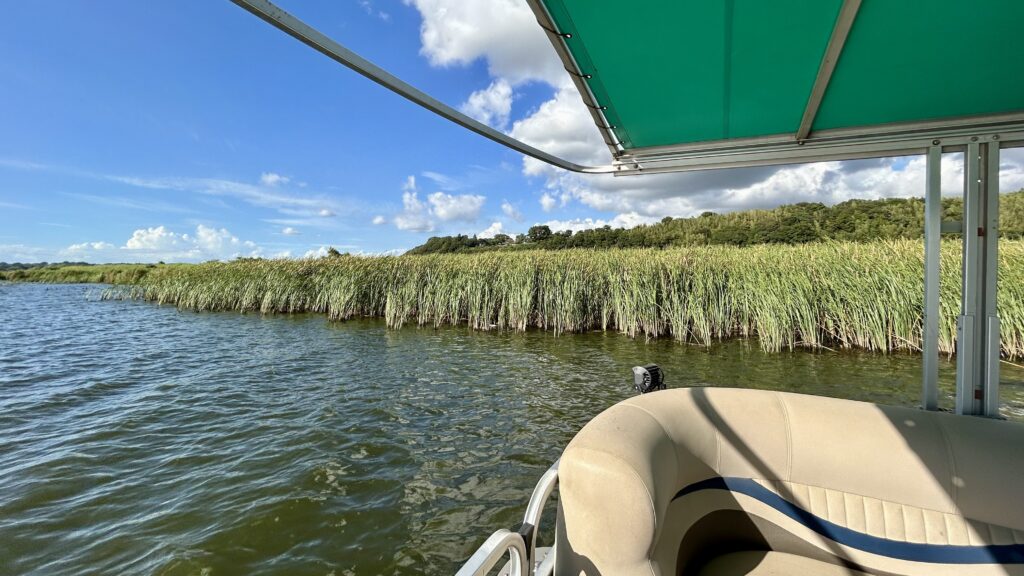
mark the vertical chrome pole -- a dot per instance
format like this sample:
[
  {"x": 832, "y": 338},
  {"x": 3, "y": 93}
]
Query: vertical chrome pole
[
  {"x": 990, "y": 376},
  {"x": 932, "y": 246},
  {"x": 967, "y": 389},
  {"x": 977, "y": 374}
]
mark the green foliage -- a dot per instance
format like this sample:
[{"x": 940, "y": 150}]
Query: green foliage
[
  {"x": 833, "y": 294},
  {"x": 80, "y": 273},
  {"x": 854, "y": 221},
  {"x": 4, "y": 266},
  {"x": 538, "y": 233}
]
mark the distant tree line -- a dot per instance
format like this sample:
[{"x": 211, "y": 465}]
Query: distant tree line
[
  {"x": 853, "y": 220},
  {"x": 26, "y": 266}
]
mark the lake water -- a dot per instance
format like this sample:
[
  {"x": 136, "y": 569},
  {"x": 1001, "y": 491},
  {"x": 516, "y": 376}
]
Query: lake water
[{"x": 138, "y": 439}]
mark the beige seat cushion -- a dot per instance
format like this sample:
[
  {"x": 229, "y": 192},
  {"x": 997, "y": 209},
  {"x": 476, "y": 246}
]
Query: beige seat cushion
[
  {"x": 773, "y": 564},
  {"x": 891, "y": 490}
]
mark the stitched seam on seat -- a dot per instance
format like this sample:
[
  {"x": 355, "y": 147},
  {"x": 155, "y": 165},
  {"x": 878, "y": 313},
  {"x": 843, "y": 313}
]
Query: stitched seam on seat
[
  {"x": 868, "y": 496},
  {"x": 978, "y": 525},
  {"x": 789, "y": 435}
]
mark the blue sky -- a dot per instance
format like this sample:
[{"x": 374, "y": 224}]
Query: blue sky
[{"x": 142, "y": 131}]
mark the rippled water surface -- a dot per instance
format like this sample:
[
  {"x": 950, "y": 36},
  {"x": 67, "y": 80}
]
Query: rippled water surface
[{"x": 137, "y": 439}]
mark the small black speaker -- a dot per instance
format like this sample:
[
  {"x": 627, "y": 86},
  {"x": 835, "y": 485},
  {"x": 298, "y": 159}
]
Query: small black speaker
[{"x": 648, "y": 378}]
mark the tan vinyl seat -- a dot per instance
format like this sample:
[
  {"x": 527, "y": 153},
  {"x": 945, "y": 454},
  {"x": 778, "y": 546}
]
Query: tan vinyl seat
[{"x": 681, "y": 481}]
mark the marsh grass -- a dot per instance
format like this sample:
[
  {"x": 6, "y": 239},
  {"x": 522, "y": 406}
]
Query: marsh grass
[
  {"x": 93, "y": 274},
  {"x": 835, "y": 295}
]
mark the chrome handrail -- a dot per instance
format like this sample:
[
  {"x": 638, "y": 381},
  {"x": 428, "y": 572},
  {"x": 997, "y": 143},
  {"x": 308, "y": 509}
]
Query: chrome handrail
[
  {"x": 531, "y": 520},
  {"x": 522, "y": 544},
  {"x": 493, "y": 550}
]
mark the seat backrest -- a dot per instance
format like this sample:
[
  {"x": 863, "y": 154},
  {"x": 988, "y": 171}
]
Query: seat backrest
[{"x": 857, "y": 480}]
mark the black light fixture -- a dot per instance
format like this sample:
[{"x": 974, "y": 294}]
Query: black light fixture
[{"x": 648, "y": 378}]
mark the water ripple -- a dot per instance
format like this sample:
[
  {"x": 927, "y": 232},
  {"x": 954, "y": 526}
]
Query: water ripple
[{"x": 137, "y": 439}]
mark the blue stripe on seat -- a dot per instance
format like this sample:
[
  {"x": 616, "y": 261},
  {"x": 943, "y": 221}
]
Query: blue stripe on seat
[{"x": 936, "y": 553}]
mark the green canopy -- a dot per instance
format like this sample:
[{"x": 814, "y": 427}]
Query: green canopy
[{"x": 681, "y": 75}]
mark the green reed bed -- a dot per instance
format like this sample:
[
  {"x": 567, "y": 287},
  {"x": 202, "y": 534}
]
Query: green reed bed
[
  {"x": 835, "y": 295},
  {"x": 90, "y": 274}
]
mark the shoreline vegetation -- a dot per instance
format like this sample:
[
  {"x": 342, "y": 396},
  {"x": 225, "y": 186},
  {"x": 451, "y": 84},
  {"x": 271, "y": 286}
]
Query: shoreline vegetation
[
  {"x": 835, "y": 295},
  {"x": 850, "y": 221}
]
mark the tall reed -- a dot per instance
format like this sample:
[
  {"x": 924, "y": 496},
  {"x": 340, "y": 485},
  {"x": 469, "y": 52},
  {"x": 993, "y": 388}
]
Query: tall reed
[{"x": 842, "y": 295}]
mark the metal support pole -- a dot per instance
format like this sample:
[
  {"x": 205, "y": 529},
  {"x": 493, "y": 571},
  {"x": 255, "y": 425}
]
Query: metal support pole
[
  {"x": 990, "y": 388},
  {"x": 932, "y": 232},
  {"x": 977, "y": 375}
]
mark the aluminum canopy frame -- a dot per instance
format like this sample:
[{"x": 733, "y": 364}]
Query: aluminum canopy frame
[{"x": 679, "y": 85}]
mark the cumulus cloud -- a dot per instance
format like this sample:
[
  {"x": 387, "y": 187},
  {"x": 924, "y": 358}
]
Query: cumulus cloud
[
  {"x": 378, "y": 220},
  {"x": 321, "y": 252},
  {"x": 316, "y": 252},
  {"x": 289, "y": 231},
  {"x": 492, "y": 105},
  {"x": 158, "y": 238},
  {"x": 511, "y": 211},
  {"x": 448, "y": 207},
  {"x": 491, "y": 231},
  {"x": 547, "y": 202},
  {"x": 420, "y": 216},
  {"x": 502, "y": 32},
  {"x": 89, "y": 246},
  {"x": 161, "y": 243},
  {"x": 273, "y": 179},
  {"x": 414, "y": 216},
  {"x": 627, "y": 220}
]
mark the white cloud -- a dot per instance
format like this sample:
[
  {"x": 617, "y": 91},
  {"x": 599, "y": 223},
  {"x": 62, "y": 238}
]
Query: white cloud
[
  {"x": 207, "y": 243},
  {"x": 627, "y": 220},
  {"x": 25, "y": 253},
  {"x": 367, "y": 6},
  {"x": 564, "y": 127},
  {"x": 161, "y": 243},
  {"x": 289, "y": 231},
  {"x": 492, "y": 105},
  {"x": 89, "y": 246},
  {"x": 158, "y": 238},
  {"x": 322, "y": 252},
  {"x": 414, "y": 216},
  {"x": 273, "y": 179},
  {"x": 316, "y": 253},
  {"x": 547, "y": 202},
  {"x": 218, "y": 241},
  {"x": 263, "y": 195},
  {"x": 378, "y": 220},
  {"x": 511, "y": 211},
  {"x": 465, "y": 207},
  {"x": 503, "y": 32},
  {"x": 491, "y": 231},
  {"x": 419, "y": 216},
  {"x": 443, "y": 181}
]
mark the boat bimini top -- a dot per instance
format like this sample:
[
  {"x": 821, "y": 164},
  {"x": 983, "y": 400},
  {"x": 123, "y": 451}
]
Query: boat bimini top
[{"x": 749, "y": 482}]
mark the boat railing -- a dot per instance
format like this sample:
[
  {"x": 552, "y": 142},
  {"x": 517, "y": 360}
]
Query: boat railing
[
  {"x": 493, "y": 551},
  {"x": 521, "y": 544}
]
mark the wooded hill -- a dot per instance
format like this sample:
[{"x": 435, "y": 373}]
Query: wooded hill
[{"x": 854, "y": 220}]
